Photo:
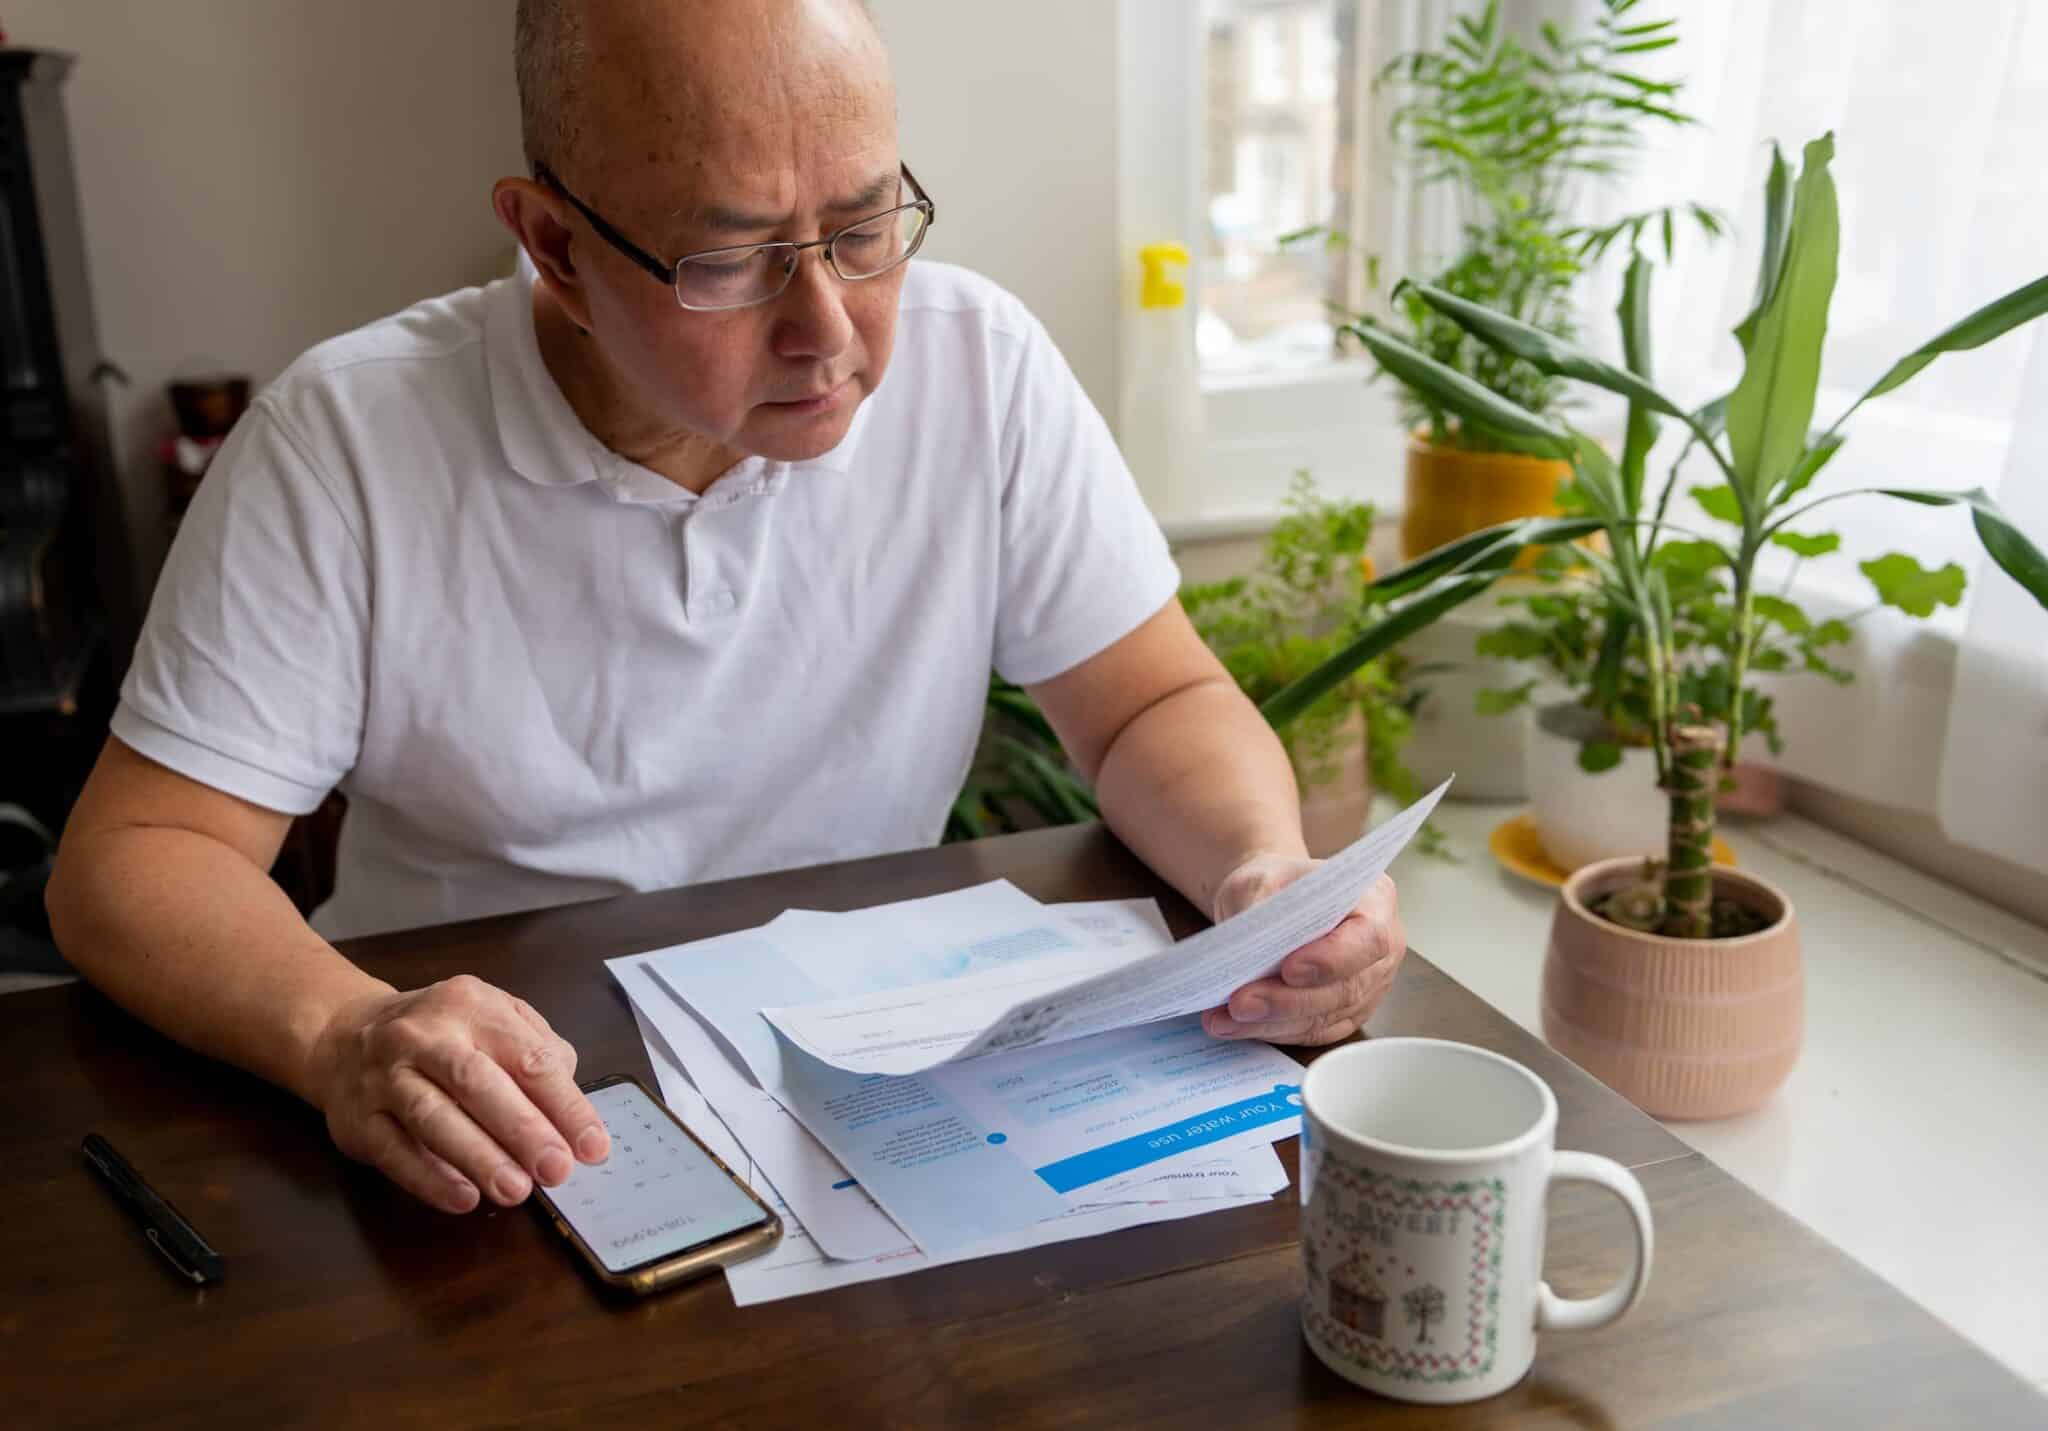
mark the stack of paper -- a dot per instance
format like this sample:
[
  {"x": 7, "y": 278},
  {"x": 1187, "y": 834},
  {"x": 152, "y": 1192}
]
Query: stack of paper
[{"x": 976, "y": 1072}]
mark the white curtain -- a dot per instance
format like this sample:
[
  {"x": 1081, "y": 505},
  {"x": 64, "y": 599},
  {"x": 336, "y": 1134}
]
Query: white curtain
[
  {"x": 1994, "y": 769},
  {"x": 1938, "y": 113}
]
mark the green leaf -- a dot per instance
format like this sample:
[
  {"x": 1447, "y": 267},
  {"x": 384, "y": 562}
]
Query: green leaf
[
  {"x": 1719, "y": 502},
  {"x": 1598, "y": 755},
  {"x": 1690, "y": 558},
  {"x": 1545, "y": 351},
  {"x": 1600, "y": 481},
  {"x": 2016, "y": 555},
  {"x": 1818, "y": 545},
  {"x": 1492, "y": 702},
  {"x": 1771, "y": 255},
  {"x": 1831, "y": 633},
  {"x": 1457, "y": 394},
  {"x": 1492, "y": 549},
  {"x": 1903, "y": 582},
  {"x": 1712, "y": 418},
  {"x": 1634, "y": 315},
  {"x": 1514, "y": 642},
  {"x": 1772, "y": 406},
  {"x": 1810, "y": 463},
  {"x": 1776, "y": 608},
  {"x": 1994, "y": 320},
  {"x": 1285, "y": 705}
]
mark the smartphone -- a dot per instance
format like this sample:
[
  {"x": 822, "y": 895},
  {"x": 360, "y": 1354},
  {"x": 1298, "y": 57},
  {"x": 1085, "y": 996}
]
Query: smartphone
[{"x": 662, "y": 1209}]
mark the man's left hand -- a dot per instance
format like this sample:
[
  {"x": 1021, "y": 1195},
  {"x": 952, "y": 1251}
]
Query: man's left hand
[{"x": 1326, "y": 990}]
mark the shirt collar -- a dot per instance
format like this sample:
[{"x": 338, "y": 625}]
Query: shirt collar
[{"x": 547, "y": 444}]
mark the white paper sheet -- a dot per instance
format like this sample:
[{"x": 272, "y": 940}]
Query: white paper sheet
[
  {"x": 907, "y": 1030},
  {"x": 839, "y": 1213},
  {"x": 962, "y": 1155},
  {"x": 796, "y": 1266}
]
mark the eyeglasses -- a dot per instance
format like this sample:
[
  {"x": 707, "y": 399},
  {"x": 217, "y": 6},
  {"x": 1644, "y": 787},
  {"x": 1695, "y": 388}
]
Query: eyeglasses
[{"x": 740, "y": 277}]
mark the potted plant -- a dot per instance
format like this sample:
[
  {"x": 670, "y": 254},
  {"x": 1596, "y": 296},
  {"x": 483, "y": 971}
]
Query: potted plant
[
  {"x": 1590, "y": 767},
  {"x": 1305, "y": 600},
  {"x": 1513, "y": 128},
  {"x": 1675, "y": 982}
]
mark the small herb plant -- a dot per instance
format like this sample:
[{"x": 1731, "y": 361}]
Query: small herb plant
[{"x": 1305, "y": 601}]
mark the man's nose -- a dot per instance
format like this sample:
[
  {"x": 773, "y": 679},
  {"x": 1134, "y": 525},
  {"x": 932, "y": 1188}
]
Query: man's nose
[{"x": 812, "y": 321}]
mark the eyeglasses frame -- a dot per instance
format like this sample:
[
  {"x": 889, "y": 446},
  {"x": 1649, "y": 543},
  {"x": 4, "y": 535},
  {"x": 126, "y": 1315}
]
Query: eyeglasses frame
[{"x": 669, "y": 273}]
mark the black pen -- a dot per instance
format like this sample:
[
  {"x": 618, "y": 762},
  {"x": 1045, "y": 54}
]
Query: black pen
[{"x": 162, "y": 1224}]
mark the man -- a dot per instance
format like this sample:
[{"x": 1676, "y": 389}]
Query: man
[{"x": 639, "y": 574}]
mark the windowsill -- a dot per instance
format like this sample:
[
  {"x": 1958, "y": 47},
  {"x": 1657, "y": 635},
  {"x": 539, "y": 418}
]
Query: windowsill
[
  {"x": 1219, "y": 524},
  {"x": 1336, "y": 372},
  {"x": 1841, "y": 740}
]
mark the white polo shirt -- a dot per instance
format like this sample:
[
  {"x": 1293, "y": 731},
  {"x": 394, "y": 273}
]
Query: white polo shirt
[{"x": 542, "y": 673}]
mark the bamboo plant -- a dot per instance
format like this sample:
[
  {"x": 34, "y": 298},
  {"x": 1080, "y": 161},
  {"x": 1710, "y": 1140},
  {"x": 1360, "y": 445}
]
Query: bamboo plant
[{"x": 1759, "y": 435}]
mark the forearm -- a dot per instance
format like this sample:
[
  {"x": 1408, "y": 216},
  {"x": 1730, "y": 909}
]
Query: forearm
[
  {"x": 1196, "y": 785},
  {"x": 189, "y": 936}
]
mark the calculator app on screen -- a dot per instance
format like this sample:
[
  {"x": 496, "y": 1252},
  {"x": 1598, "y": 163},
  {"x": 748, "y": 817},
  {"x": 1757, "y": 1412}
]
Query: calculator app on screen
[{"x": 658, "y": 1193}]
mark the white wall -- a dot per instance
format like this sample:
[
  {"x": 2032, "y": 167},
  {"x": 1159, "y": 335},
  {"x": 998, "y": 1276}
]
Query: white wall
[
  {"x": 257, "y": 175},
  {"x": 260, "y": 174},
  {"x": 1009, "y": 119}
]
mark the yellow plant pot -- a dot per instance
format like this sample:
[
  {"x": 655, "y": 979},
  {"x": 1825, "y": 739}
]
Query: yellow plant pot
[
  {"x": 1452, "y": 493},
  {"x": 1682, "y": 1028}
]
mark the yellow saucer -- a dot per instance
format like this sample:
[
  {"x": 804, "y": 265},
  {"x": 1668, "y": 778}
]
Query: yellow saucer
[{"x": 1519, "y": 849}]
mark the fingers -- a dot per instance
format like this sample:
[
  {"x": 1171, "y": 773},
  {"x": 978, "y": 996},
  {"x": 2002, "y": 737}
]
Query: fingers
[
  {"x": 519, "y": 1141},
  {"x": 1325, "y": 991},
  {"x": 400, "y": 1157},
  {"x": 462, "y": 1092},
  {"x": 545, "y": 1070},
  {"x": 426, "y": 1110},
  {"x": 1370, "y": 932}
]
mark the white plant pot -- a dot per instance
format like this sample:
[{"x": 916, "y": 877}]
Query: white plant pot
[
  {"x": 1583, "y": 817},
  {"x": 1451, "y": 736}
]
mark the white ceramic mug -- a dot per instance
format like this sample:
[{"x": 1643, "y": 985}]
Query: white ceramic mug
[{"x": 1425, "y": 1169}]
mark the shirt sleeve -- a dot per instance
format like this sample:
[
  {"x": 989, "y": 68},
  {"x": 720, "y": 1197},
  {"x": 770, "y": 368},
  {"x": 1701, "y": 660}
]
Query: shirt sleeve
[
  {"x": 249, "y": 674},
  {"x": 1083, "y": 563}
]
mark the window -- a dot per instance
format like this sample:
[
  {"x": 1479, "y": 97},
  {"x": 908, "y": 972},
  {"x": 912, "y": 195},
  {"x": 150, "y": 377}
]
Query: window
[
  {"x": 1280, "y": 107},
  {"x": 1239, "y": 122}
]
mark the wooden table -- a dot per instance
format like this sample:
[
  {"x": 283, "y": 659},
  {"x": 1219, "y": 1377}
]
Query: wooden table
[{"x": 346, "y": 1303}]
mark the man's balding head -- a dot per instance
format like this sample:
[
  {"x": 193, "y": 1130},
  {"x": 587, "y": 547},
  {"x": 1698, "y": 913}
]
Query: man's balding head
[
  {"x": 551, "y": 52},
  {"x": 692, "y": 126}
]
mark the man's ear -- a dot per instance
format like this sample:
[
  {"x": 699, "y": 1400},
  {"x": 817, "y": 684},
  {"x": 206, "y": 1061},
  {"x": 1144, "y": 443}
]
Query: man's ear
[{"x": 539, "y": 220}]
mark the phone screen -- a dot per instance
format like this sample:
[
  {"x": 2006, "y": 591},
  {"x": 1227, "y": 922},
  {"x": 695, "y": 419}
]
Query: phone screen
[{"x": 657, "y": 1194}]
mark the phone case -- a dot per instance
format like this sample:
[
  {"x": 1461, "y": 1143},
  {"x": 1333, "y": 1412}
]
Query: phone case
[{"x": 683, "y": 1266}]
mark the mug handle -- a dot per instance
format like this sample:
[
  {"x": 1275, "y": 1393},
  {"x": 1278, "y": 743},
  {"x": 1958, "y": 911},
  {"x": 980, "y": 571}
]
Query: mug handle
[{"x": 1555, "y": 1313}]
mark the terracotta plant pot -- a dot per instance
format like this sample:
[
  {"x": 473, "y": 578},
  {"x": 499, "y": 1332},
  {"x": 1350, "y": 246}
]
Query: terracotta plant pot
[
  {"x": 1451, "y": 493},
  {"x": 1682, "y": 1028},
  {"x": 1334, "y": 809}
]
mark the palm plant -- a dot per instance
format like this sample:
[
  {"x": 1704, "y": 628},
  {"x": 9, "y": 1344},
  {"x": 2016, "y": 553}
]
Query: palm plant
[
  {"x": 1760, "y": 437},
  {"x": 1514, "y": 129}
]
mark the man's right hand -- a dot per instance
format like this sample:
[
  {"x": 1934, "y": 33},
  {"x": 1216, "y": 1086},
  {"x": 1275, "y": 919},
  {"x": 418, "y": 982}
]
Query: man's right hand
[{"x": 454, "y": 1090}]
